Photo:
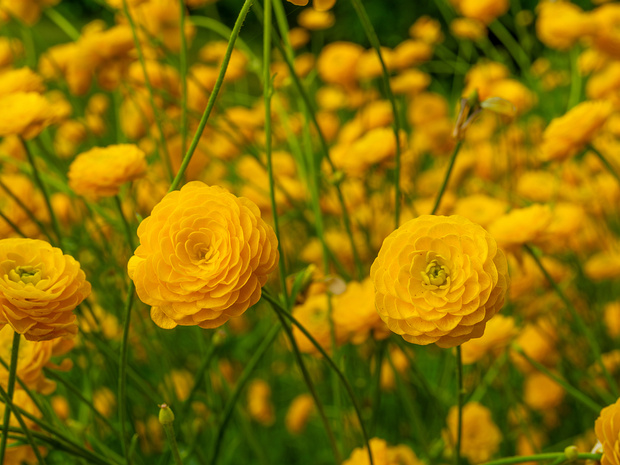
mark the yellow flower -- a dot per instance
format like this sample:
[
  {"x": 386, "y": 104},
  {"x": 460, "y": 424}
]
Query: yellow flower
[
  {"x": 607, "y": 429},
  {"x": 313, "y": 315},
  {"x": 17, "y": 452},
  {"x": 542, "y": 392},
  {"x": 603, "y": 265},
  {"x": 25, "y": 114},
  {"x": 561, "y": 24},
  {"x": 319, "y": 5},
  {"x": 567, "y": 135},
  {"x": 298, "y": 413},
  {"x": 101, "y": 171},
  {"x": 260, "y": 406},
  {"x": 521, "y": 225},
  {"x": 382, "y": 454},
  {"x": 104, "y": 401},
  {"x": 499, "y": 332},
  {"x": 20, "y": 80},
  {"x": 39, "y": 289},
  {"x": 481, "y": 436},
  {"x": 465, "y": 28},
  {"x": 482, "y": 10},
  {"x": 439, "y": 280},
  {"x": 316, "y": 20},
  {"x": 204, "y": 255},
  {"x": 337, "y": 63}
]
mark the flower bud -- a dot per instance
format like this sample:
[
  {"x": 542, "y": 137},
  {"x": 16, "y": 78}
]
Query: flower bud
[{"x": 166, "y": 417}]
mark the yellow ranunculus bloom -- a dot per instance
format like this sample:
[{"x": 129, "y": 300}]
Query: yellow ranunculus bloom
[
  {"x": 25, "y": 114},
  {"x": 607, "y": 429},
  {"x": 101, "y": 171},
  {"x": 204, "y": 255},
  {"x": 439, "y": 280},
  {"x": 40, "y": 289},
  {"x": 382, "y": 454}
]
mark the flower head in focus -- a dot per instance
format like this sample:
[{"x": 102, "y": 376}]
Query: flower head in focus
[
  {"x": 40, "y": 289},
  {"x": 439, "y": 280},
  {"x": 607, "y": 429},
  {"x": 101, "y": 171},
  {"x": 203, "y": 257}
]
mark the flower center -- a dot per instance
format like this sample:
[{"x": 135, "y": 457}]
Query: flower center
[
  {"x": 435, "y": 274},
  {"x": 25, "y": 274}
]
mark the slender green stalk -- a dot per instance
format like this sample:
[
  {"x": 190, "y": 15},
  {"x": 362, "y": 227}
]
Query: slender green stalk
[
  {"x": 63, "y": 23},
  {"x": 12, "y": 225},
  {"x": 39, "y": 182},
  {"x": 8, "y": 405},
  {"x": 605, "y": 162},
  {"x": 243, "y": 379},
  {"x": 542, "y": 458},
  {"x": 277, "y": 306},
  {"x": 122, "y": 372},
  {"x": 9, "y": 397},
  {"x": 183, "y": 70},
  {"x": 147, "y": 82},
  {"x": 211, "y": 102},
  {"x": 267, "y": 93},
  {"x": 376, "y": 388},
  {"x": 511, "y": 45},
  {"x": 374, "y": 41},
  {"x": 446, "y": 179},
  {"x": 200, "y": 374},
  {"x": 575, "y": 79},
  {"x": 78, "y": 394},
  {"x": 129, "y": 235},
  {"x": 459, "y": 397},
  {"x": 28, "y": 213},
  {"x": 576, "y": 393},
  {"x": 575, "y": 314}
]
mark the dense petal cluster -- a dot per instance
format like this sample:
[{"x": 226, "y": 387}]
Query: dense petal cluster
[
  {"x": 607, "y": 429},
  {"x": 204, "y": 255},
  {"x": 439, "y": 280},
  {"x": 101, "y": 171},
  {"x": 25, "y": 114},
  {"x": 39, "y": 289}
]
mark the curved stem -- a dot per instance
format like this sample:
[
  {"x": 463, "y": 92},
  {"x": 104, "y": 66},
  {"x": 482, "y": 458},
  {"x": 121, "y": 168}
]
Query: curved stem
[
  {"x": 62, "y": 22},
  {"x": 243, "y": 379},
  {"x": 605, "y": 162},
  {"x": 216, "y": 89},
  {"x": 575, "y": 314},
  {"x": 122, "y": 372},
  {"x": 28, "y": 213},
  {"x": 128, "y": 233},
  {"x": 374, "y": 41},
  {"x": 459, "y": 397},
  {"x": 446, "y": 179},
  {"x": 9, "y": 397}
]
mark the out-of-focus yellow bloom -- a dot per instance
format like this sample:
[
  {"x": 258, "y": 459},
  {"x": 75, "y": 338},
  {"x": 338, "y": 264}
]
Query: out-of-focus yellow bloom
[
  {"x": 611, "y": 317},
  {"x": 337, "y": 63},
  {"x": 159, "y": 20},
  {"x": 20, "y": 80},
  {"x": 40, "y": 289},
  {"x": 382, "y": 454},
  {"x": 315, "y": 20},
  {"x": 101, "y": 171},
  {"x": 567, "y": 135},
  {"x": 31, "y": 197},
  {"x": 400, "y": 364},
  {"x": 313, "y": 314},
  {"x": 603, "y": 265},
  {"x": 480, "y": 208},
  {"x": 410, "y": 53},
  {"x": 480, "y": 78},
  {"x": 25, "y": 114},
  {"x": 541, "y": 392},
  {"x": 497, "y": 335},
  {"x": 61, "y": 408},
  {"x": 100, "y": 321},
  {"x": 605, "y": 36},
  {"x": 27, "y": 11},
  {"x": 410, "y": 82},
  {"x": 10, "y": 49},
  {"x": 298, "y": 413},
  {"x": 561, "y": 24},
  {"x": 427, "y": 291},
  {"x": 521, "y": 225},
  {"x": 260, "y": 406},
  {"x": 18, "y": 454},
  {"x": 104, "y": 401},
  {"x": 538, "y": 342},
  {"x": 319, "y": 5},
  {"x": 69, "y": 135},
  {"x": 470, "y": 29},
  {"x": 481, "y": 436},
  {"x": 482, "y": 10},
  {"x": 427, "y": 29}
]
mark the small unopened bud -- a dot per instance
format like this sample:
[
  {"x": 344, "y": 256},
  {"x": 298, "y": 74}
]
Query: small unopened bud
[
  {"x": 166, "y": 417},
  {"x": 571, "y": 453},
  {"x": 500, "y": 106},
  {"x": 219, "y": 337}
]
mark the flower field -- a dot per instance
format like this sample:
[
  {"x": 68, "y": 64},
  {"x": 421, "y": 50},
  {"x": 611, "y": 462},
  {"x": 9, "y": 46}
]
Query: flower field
[{"x": 351, "y": 232}]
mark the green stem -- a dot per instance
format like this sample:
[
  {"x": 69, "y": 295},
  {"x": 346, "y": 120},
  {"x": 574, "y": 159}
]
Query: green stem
[
  {"x": 541, "y": 458},
  {"x": 12, "y": 225},
  {"x": 200, "y": 374},
  {"x": 511, "y": 45},
  {"x": 310, "y": 384},
  {"x": 446, "y": 179},
  {"x": 8, "y": 405},
  {"x": 576, "y": 393},
  {"x": 329, "y": 361},
  {"x": 26, "y": 210},
  {"x": 575, "y": 314},
  {"x": 376, "y": 396},
  {"x": 459, "y": 397},
  {"x": 575, "y": 81},
  {"x": 172, "y": 439},
  {"x": 243, "y": 379},
  {"x": 605, "y": 162},
  {"x": 129, "y": 235},
  {"x": 374, "y": 41},
  {"x": 183, "y": 70},
  {"x": 122, "y": 372},
  {"x": 147, "y": 82},
  {"x": 39, "y": 182},
  {"x": 10, "y": 390},
  {"x": 267, "y": 93},
  {"x": 216, "y": 89},
  {"x": 62, "y": 22}
]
